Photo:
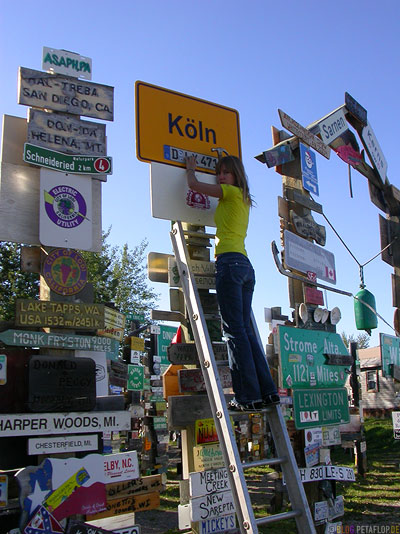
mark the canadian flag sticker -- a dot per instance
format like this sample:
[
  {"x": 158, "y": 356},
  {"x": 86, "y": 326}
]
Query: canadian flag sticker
[{"x": 330, "y": 273}]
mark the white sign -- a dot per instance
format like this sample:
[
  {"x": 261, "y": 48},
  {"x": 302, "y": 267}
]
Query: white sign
[
  {"x": 127, "y": 530},
  {"x": 374, "y": 151},
  {"x": 218, "y": 524},
  {"x": 100, "y": 361},
  {"x": 304, "y": 256},
  {"x": 209, "y": 481},
  {"x": 65, "y": 62},
  {"x": 396, "y": 424},
  {"x": 333, "y": 126},
  {"x": 327, "y": 472},
  {"x": 313, "y": 436},
  {"x": 65, "y": 210},
  {"x": 106, "y": 469},
  {"x": 213, "y": 505},
  {"x": 320, "y": 510},
  {"x": 63, "y": 444},
  {"x": 171, "y": 198},
  {"x": 28, "y": 424}
]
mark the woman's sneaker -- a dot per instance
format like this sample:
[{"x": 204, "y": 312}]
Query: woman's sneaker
[
  {"x": 235, "y": 406},
  {"x": 271, "y": 400}
]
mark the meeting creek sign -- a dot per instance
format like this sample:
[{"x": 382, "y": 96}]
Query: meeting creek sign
[{"x": 303, "y": 362}]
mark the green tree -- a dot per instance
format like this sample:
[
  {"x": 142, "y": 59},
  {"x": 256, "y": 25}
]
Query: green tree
[
  {"x": 361, "y": 339},
  {"x": 14, "y": 283}
]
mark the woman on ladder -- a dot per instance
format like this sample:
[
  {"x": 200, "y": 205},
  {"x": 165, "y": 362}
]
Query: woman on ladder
[{"x": 251, "y": 378}]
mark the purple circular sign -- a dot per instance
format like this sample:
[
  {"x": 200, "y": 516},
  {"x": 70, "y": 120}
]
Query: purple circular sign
[{"x": 65, "y": 206}]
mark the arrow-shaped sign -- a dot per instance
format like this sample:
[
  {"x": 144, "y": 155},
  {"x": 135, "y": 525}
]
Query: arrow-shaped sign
[{"x": 305, "y": 135}]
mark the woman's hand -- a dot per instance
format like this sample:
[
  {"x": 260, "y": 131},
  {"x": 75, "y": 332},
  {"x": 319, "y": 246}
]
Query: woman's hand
[{"x": 190, "y": 163}]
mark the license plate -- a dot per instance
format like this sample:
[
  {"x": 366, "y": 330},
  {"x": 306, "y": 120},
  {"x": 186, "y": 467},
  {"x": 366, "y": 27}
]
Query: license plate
[{"x": 203, "y": 161}]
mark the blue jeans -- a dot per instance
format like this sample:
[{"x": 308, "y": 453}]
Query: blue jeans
[{"x": 235, "y": 280}]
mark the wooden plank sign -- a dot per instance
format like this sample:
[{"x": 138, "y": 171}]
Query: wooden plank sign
[
  {"x": 59, "y": 314},
  {"x": 66, "y": 94},
  {"x": 338, "y": 359},
  {"x": 136, "y": 486},
  {"x": 305, "y": 135},
  {"x": 186, "y": 353},
  {"x": 66, "y": 133},
  {"x": 307, "y": 227},
  {"x": 126, "y": 505}
]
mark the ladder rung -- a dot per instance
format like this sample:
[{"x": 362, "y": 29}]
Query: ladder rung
[
  {"x": 222, "y": 363},
  {"x": 277, "y": 517},
  {"x": 259, "y": 463}
]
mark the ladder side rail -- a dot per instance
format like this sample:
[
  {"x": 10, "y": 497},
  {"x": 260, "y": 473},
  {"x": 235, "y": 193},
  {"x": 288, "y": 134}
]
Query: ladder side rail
[
  {"x": 215, "y": 392},
  {"x": 290, "y": 469}
]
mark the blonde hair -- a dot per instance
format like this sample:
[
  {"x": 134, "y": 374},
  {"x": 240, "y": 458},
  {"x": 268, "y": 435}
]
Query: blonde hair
[{"x": 235, "y": 166}]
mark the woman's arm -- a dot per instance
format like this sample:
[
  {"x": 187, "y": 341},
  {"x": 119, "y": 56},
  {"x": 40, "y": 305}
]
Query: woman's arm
[{"x": 212, "y": 190}]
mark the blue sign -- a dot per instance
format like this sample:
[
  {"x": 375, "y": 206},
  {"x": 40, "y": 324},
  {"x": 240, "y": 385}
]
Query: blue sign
[{"x": 309, "y": 169}]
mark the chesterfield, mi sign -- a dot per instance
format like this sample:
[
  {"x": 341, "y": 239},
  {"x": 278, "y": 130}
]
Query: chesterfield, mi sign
[{"x": 302, "y": 354}]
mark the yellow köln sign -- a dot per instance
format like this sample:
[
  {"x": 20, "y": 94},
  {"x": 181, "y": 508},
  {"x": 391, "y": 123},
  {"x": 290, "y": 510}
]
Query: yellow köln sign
[{"x": 171, "y": 125}]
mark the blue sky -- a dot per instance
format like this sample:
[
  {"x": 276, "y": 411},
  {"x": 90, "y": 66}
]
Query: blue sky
[{"x": 255, "y": 57}]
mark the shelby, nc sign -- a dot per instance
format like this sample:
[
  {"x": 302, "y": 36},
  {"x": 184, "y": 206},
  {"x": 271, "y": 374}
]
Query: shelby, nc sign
[{"x": 303, "y": 361}]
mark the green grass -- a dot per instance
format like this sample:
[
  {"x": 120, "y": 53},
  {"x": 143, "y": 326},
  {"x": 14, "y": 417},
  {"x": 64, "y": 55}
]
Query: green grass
[{"x": 373, "y": 499}]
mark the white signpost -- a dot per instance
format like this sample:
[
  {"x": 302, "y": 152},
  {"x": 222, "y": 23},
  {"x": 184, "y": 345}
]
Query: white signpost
[
  {"x": 304, "y": 256},
  {"x": 333, "y": 126}
]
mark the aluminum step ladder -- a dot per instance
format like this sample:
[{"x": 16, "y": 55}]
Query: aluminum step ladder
[{"x": 248, "y": 524}]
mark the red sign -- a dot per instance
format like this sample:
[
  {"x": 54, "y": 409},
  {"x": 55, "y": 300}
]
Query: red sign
[
  {"x": 313, "y": 296},
  {"x": 102, "y": 165}
]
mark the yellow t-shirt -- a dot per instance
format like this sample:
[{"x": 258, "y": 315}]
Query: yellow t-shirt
[{"x": 231, "y": 218}]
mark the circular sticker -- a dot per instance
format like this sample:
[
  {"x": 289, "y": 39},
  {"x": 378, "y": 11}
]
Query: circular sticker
[
  {"x": 65, "y": 206},
  {"x": 101, "y": 165},
  {"x": 65, "y": 271}
]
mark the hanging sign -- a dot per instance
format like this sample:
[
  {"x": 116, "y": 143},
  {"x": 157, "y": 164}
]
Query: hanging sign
[
  {"x": 171, "y": 125},
  {"x": 66, "y": 133},
  {"x": 65, "y": 213},
  {"x": 65, "y": 62},
  {"x": 65, "y": 271},
  {"x": 66, "y": 94}
]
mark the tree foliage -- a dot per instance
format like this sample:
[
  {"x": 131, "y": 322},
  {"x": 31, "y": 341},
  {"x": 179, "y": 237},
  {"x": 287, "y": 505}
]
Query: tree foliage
[
  {"x": 118, "y": 275},
  {"x": 361, "y": 339}
]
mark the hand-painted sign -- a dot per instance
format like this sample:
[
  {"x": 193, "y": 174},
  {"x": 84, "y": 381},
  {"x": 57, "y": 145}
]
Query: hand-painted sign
[
  {"x": 315, "y": 407},
  {"x": 57, "y": 161},
  {"x": 65, "y": 62},
  {"x": 137, "y": 343},
  {"x": 65, "y": 212},
  {"x": 126, "y": 505},
  {"x": 61, "y": 384},
  {"x": 390, "y": 353},
  {"x": 302, "y": 358},
  {"x": 136, "y": 486},
  {"x": 66, "y": 133},
  {"x": 304, "y": 256},
  {"x": 212, "y": 505},
  {"x": 305, "y": 135},
  {"x": 167, "y": 121},
  {"x": 23, "y": 338},
  {"x": 114, "y": 324},
  {"x": 65, "y": 271},
  {"x": 205, "y": 431},
  {"x": 66, "y": 94},
  {"x": 309, "y": 174},
  {"x": 53, "y": 445},
  {"x": 27, "y": 424},
  {"x": 207, "y": 457},
  {"x": 218, "y": 524},
  {"x": 83, "y": 501},
  {"x": 333, "y": 126},
  {"x": 210, "y": 481},
  {"x": 59, "y": 314}
]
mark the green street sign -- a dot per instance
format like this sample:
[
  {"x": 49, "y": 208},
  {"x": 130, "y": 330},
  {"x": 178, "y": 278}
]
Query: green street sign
[
  {"x": 51, "y": 159},
  {"x": 320, "y": 407},
  {"x": 135, "y": 317},
  {"x": 302, "y": 358},
  {"x": 164, "y": 339},
  {"x": 135, "y": 378},
  {"x": 390, "y": 353}
]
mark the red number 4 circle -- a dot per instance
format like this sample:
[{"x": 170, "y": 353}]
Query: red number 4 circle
[{"x": 101, "y": 165}]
